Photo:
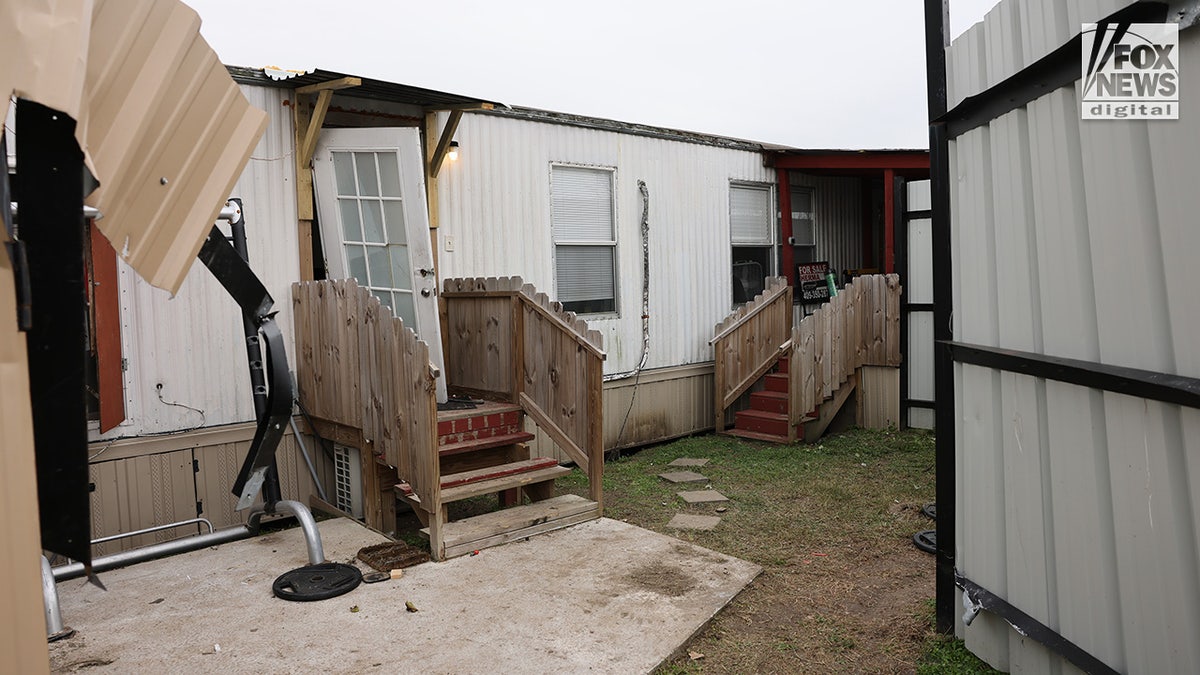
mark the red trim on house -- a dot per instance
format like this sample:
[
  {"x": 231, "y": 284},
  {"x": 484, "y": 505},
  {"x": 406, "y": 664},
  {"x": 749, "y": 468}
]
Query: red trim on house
[
  {"x": 107, "y": 312},
  {"x": 787, "y": 254},
  {"x": 889, "y": 221},
  {"x": 854, "y": 160}
]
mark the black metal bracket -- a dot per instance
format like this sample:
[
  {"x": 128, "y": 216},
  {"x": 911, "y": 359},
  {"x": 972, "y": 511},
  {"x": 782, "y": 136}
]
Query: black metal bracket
[
  {"x": 1148, "y": 384},
  {"x": 235, "y": 275},
  {"x": 1026, "y": 625}
]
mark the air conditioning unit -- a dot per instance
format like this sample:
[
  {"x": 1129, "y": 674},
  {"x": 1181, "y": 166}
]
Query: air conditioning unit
[{"x": 347, "y": 479}]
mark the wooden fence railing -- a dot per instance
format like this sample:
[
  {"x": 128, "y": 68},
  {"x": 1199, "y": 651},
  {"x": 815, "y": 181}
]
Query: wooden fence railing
[
  {"x": 748, "y": 342},
  {"x": 508, "y": 342},
  {"x": 860, "y": 327},
  {"x": 366, "y": 380}
]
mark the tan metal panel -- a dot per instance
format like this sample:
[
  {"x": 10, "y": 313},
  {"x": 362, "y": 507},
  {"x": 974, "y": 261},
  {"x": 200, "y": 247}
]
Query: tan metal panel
[
  {"x": 193, "y": 343},
  {"x": 163, "y": 126},
  {"x": 22, "y": 633},
  {"x": 879, "y": 397},
  {"x": 141, "y": 492}
]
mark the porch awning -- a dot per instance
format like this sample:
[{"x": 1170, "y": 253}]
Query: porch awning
[{"x": 163, "y": 127}]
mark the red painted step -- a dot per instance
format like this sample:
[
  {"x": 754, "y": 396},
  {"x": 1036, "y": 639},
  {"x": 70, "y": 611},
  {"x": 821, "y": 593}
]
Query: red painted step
[
  {"x": 770, "y": 401},
  {"x": 776, "y": 382},
  {"x": 496, "y": 441},
  {"x": 490, "y": 473},
  {"x": 762, "y": 422},
  {"x": 754, "y": 436},
  {"x": 781, "y": 366}
]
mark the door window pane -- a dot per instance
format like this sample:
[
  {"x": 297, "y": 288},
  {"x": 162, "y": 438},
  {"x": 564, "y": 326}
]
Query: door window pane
[
  {"x": 401, "y": 274},
  {"x": 393, "y": 213},
  {"x": 372, "y": 216},
  {"x": 343, "y": 171},
  {"x": 351, "y": 228},
  {"x": 389, "y": 174},
  {"x": 379, "y": 267},
  {"x": 403, "y": 308},
  {"x": 356, "y": 260},
  {"x": 368, "y": 178}
]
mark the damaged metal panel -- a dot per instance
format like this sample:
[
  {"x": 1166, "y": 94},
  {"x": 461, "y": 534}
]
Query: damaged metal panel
[{"x": 177, "y": 339}]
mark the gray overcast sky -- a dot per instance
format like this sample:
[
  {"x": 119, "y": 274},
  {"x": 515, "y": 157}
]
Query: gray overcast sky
[{"x": 806, "y": 73}]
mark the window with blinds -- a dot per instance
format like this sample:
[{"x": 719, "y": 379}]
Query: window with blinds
[
  {"x": 585, "y": 241},
  {"x": 752, "y": 235}
]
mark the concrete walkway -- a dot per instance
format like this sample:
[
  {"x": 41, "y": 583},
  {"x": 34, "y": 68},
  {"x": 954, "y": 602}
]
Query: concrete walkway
[{"x": 601, "y": 597}]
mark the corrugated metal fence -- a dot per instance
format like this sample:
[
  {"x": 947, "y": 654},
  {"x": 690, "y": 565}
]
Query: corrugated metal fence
[{"x": 1078, "y": 506}]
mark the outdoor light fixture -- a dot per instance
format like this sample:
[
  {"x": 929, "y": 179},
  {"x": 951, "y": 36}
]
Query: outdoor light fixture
[{"x": 453, "y": 154}]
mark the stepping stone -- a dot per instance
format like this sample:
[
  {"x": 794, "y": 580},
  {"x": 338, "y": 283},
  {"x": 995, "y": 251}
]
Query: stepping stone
[
  {"x": 688, "y": 461},
  {"x": 686, "y": 521},
  {"x": 682, "y": 477},
  {"x": 702, "y": 496}
]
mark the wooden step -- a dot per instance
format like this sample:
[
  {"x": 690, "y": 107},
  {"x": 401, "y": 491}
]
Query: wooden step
[
  {"x": 500, "y": 527},
  {"x": 762, "y": 422},
  {"x": 781, "y": 366},
  {"x": 510, "y": 469},
  {"x": 755, "y": 436},
  {"x": 770, "y": 401},
  {"x": 776, "y": 382},
  {"x": 457, "y": 486},
  {"x": 485, "y": 443}
]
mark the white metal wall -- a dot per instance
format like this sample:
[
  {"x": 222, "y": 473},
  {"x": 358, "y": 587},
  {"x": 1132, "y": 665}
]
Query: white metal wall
[
  {"x": 918, "y": 289},
  {"x": 495, "y": 213},
  {"x": 1082, "y": 508},
  {"x": 192, "y": 344}
]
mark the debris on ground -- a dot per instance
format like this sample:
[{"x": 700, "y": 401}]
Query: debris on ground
[
  {"x": 409, "y": 606},
  {"x": 392, "y": 555}
]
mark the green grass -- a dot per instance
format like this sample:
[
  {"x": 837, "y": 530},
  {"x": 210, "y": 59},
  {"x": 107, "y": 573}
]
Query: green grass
[{"x": 854, "y": 497}]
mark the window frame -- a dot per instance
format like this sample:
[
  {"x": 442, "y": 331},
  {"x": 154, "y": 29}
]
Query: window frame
[
  {"x": 614, "y": 243},
  {"x": 773, "y": 248}
]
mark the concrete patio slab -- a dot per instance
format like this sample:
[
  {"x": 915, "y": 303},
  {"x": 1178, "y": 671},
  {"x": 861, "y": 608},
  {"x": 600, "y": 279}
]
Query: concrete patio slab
[
  {"x": 687, "y": 521},
  {"x": 682, "y": 477},
  {"x": 600, "y": 597},
  {"x": 702, "y": 496}
]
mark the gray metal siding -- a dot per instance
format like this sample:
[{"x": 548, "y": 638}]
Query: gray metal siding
[
  {"x": 192, "y": 344},
  {"x": 495, "y": 207},
  {"x": 837, "y": 207},
  {"x": 1075, "y": 239}
]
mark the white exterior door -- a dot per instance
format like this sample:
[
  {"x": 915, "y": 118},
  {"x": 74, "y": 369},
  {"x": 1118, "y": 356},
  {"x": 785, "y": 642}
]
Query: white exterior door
[{"x": 370, "y": 188}]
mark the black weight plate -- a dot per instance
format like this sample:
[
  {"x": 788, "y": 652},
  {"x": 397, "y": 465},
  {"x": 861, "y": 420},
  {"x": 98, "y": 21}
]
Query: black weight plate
[
  {"x": 930, "y": 510},
  {"x": 317, "y": 582},
  {"x": 926, "y": 540}
]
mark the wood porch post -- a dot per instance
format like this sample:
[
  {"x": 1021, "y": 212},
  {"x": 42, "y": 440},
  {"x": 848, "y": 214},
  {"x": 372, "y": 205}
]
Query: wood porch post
[{"x": 889, "y": 221}]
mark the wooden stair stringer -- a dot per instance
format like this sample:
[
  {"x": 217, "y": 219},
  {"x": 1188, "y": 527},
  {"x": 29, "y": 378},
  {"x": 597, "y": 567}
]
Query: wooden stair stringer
[{"x": 829, "y": 409}]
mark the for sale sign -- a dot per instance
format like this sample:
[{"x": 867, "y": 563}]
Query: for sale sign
[{"x": 810, "y": 279}]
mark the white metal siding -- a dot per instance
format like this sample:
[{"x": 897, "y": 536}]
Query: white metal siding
[
  {"x": 192, "y": 344},
  {"x": 495, "y": 207},
  {"x": 1015, "y": 34},
  {"x": 918, "y": 289},
  {"x": 1074, "y": 239}
]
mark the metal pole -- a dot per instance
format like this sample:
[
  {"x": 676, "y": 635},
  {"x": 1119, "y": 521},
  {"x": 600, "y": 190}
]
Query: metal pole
[
  {"x": 937, "y": 39},
  {"x": 55, "y": 630},
  {"x": 312, "y": 540},
  {"x": 312, "y": 470}
]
